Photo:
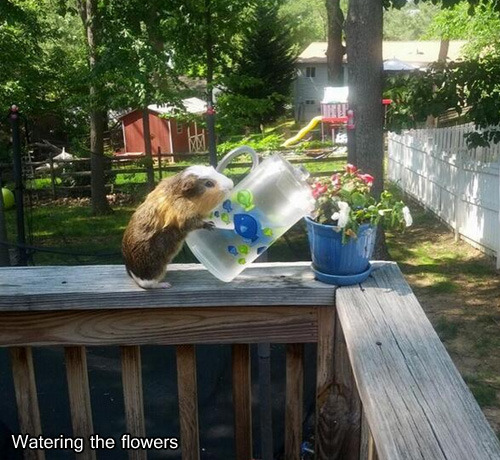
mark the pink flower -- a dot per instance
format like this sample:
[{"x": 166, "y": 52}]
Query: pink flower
[
  {"x": 319, "y": 189},
  {"x": 335, "y": 179},
  {"x": 367, "y": 179},
  {"x": 350, "y": 169}
]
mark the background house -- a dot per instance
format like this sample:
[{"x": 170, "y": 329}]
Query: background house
[
  {"x": 312, "y": 73},
  {"x": 168, "y": 135}
]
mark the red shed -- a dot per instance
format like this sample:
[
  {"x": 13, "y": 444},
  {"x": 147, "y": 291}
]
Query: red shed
[{"x": 167, "y": 134}]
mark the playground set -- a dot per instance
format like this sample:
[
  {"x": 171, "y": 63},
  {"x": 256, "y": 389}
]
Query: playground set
[{"x": 335, "y": 116}]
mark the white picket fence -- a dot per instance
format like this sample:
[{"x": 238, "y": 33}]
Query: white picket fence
[{"x": 460, "y": 185}]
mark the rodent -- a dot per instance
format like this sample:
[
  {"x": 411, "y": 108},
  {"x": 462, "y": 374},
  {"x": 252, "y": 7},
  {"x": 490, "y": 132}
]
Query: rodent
[{"x": 159, "y": 226}]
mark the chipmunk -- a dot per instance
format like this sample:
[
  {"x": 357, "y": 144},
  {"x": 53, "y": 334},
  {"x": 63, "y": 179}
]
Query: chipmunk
[{"x": 159, "y": 226}]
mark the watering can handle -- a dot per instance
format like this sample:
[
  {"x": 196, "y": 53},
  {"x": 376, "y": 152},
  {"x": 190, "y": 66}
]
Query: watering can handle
[{"x": 235, "y": 153}]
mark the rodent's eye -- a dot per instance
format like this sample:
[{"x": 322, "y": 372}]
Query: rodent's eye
[{"x": 209, "y": 183}]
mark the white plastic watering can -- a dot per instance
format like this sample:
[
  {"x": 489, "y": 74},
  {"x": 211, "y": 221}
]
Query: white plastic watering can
[{"x": 263, "y": 206}]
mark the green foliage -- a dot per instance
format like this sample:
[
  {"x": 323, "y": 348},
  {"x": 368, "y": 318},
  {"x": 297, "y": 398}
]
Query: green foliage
[
  {"x": 479, "y": 25},
  {"x": 258, "y": 142},
  {"x": 307, "y": 19},
  {"x": 470, "y": 87},
  {"x": 312, "y": 145},
  {"x": 411, "y": 22},
  {"x": 345, "y": 201},
  {"x": 259, "y": 83}
]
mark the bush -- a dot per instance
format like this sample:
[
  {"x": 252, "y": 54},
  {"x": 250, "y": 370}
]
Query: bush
[{"x": 311, "y": 145}]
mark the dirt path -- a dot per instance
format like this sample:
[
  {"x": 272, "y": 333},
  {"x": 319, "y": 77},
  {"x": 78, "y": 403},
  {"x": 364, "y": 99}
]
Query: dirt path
[{"x": 459, "y": 289}]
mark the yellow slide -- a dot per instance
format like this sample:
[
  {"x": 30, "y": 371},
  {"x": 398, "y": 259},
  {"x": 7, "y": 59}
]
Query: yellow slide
[{"x": 311, "y": 125}]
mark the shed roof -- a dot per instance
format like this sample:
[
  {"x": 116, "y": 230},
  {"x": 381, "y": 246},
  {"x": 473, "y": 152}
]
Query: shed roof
[
  {"x": 191, "y": 105},
  {"x": 418, "y": 53}
]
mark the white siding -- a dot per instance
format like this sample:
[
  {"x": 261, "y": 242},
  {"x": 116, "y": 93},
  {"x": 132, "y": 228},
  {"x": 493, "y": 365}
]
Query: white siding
[
  {"x": 459, "y": 185},
  {"x": 309, "y": 89}
]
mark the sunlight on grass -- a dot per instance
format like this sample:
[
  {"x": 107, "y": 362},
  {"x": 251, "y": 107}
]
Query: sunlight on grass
[{"x": 485, "y": 394}]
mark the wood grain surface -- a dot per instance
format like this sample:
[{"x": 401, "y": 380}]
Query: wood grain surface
[
  {"x": 79, "y": 398},
  {"x": 23, "y": 373},
  {"x": 330, "y": 405},
  {"x": 294, "y": 397},
  {"x": 108, "y": 287},
  {"x": 160, "y": 326},
  {"x": 415, "y": 401},
  {"x": 349, "y": 446},
  {"x": 188, "y": 401},
  {"x": 242, "y": 401},
  {"x": 132, "y": 397}
]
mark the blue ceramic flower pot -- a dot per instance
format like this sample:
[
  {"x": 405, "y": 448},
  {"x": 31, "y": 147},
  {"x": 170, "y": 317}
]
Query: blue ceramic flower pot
[{"x": 331, "y": 257}]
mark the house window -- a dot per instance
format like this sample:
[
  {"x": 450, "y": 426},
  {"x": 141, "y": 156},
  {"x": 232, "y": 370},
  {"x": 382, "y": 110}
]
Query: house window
[
  {"x": 310, "y": 72},
  {"x": 310, "y": 102},
  {"x": 180, "y": 128}
]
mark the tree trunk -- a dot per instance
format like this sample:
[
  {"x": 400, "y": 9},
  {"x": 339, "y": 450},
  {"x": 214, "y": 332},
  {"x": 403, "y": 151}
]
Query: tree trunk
[
  {"x": 98, "y": 163},
  {"x": 364, "y": 27},
  {"x": 98, "y": 117},
  {"x": 147, "y": 149},
  {"x": 444, "y": 46},
  {"x": 335, "y": 51}
]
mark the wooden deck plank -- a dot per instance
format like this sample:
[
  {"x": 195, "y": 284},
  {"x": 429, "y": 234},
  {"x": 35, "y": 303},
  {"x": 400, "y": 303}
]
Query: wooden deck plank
[
  {"x": 294, "y": 400},
  {"x": 188, "y": 402},
  {"x": 132, "y": 397},
  {"x": 160, "y": 326},
  {"x": 79, "y": 397},
  {"x": 84, "y": 287},
  {"x": 23, "y": 373},
  {"x": 242, "y": 401},
  {"x": 344, "y": 378},
  {"x": 416, "y": 402}
]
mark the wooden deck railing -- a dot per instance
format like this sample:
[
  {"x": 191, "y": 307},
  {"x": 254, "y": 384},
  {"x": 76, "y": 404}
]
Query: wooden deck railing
[{"x": 385, "y": 386}]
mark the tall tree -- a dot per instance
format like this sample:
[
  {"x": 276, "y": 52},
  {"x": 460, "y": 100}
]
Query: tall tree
[
  {"x": 206, "y": 35},
  {"x": 335, "y": 50},
  {"x": 89, "y": 13},
  {"x": 259, "y": 85},
  {"x": 309, "y": 21}
]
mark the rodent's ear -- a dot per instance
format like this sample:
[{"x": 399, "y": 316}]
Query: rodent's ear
[{"x": 190, "y": 186}]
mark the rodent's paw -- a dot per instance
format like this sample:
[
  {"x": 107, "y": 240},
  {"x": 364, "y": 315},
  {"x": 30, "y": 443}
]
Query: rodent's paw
[{"x": 208, "y": 225}]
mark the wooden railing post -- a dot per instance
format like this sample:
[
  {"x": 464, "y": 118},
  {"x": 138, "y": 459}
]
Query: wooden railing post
[
  {"x": 132, "y": 396},
  {"x": 79, "y": 397},
  {"x": 188, "y": 401},
  {"x": 330, "y": 409},
  {"x": 344, "y": 378},
  {"x": 294, "y": 400},
  {"x": 23, "y": 373},
  {"x": 242, "y": 401}
]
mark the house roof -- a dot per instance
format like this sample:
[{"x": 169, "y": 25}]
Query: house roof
[{"x": 416, "y": 53}]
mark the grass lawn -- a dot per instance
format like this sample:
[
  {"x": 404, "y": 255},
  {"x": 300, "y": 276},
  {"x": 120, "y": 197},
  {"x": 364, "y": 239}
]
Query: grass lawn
[
  {"x": 457, "y": 285},
  {"x": 459, "y": 290}
]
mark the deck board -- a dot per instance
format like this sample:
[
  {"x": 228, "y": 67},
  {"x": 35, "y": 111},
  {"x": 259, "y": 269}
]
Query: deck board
[
  {"x": 393, "y": 347},
  {"x": 109, "y": 287}
]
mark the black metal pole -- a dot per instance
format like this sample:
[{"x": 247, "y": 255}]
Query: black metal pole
[
  {"x": 19, "y": 187},
  {"x": 4, "y": 249},
  {"x": 209, "y": 48}
]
